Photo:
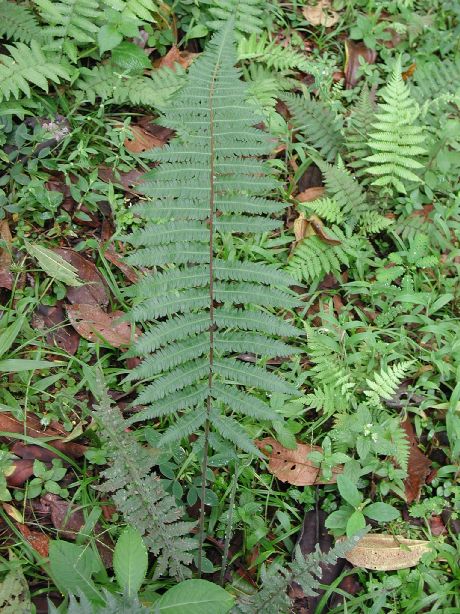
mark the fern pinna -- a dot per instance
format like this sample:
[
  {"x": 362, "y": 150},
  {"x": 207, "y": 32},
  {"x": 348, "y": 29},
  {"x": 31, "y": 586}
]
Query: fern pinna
[{"x": 204, "y": 308}]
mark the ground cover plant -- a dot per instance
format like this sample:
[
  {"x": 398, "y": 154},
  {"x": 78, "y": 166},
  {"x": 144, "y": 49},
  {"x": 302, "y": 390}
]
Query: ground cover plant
[{"x": 229, "y": 324}]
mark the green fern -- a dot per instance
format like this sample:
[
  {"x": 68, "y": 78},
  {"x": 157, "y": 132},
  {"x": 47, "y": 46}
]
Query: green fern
[
  {"x": 435, "y": 79},
  {"x": 70, "y": 24},
  {"x": 313, "y": 258},
  {"x": 106, "y": 83},
  {"x": 24, "y": 66},
  {"x": 326, "y": 208},
  {"x": 357, "y": 133},
  {"x": 18, "y": 23},
  {"x": 146, "y": 10},
  {"x": 273, "y": 55},
  {"x": 345, "y": 190},
  {"x": 317, "y": 122},
  {"x": 248, "y": 14},
  {"x": 396, "y": 138},
  {"x": 303, "y": 570},
  {"x": 385, "y": 384},
  {"x": 209, "y": 182},
  {"x": 138, "y": 494}
]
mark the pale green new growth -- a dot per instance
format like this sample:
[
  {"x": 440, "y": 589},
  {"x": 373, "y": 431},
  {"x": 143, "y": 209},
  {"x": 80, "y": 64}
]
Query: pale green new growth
[
  {"x": 248, "y": 16},
  {"x": 138, "y": 494},
  {"x": 24, "y": 66},
  {"x": 209, "y": 181},
  {"x": 396, "y": 138}
]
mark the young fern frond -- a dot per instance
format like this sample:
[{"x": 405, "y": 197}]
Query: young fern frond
[
  {"x": 18, "y": 23},
  {"x": 138, "y": 493},
  {"x": 385, "y": 384},
  {"x": 265, "y": 51},
  {"x": 435, "y": 79},
  {"x": 345, "y": 190},
  {"x": 303, "y": 570},
  {"x": 210, "y": 180},
  {"x": 326, "y": 208},
  {"x": 396, "y": 138},
  {"x": 313, "y": 258},
  {"x": 147, "y": 10},
  {"x": 24, "y": 66},
  {"x": 71, "y": 24},
  {"x": 318, "y": 123}
]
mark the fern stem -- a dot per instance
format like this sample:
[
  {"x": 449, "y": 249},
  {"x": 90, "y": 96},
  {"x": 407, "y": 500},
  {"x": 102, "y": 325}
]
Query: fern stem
[
  {"x": 229, "y": 528},
  {"x": 211, "y": 312}
]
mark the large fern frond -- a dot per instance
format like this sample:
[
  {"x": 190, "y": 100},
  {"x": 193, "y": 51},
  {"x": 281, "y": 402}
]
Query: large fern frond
[
  {"x": 24, "y": 66},
  {"x": 18, "y": 23},
  {"x": 396, "y": 137},
  {"x": 138, "y": 493},
  {"x": 357, "y": 132},
  {"x": 210, "y": 181}
]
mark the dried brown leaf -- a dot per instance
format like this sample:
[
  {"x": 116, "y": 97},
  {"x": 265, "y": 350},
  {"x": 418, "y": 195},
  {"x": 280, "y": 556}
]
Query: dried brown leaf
[
  {"x": 418, "y": 465},
  {"x": 61, "y": 334},
  {"x": 94, "y": 291},
  {"x": 94, "y": 324},
  {"x": 310, "y": 194},
  {"x": 382, "y": 552},
  {"x": 293, "y": 466},
  {"x": 353, "y": 52},
  {"x": 321, "y": 14},
  {"x": 174, "y": 56},
  {"x": 38, "y": 541}
]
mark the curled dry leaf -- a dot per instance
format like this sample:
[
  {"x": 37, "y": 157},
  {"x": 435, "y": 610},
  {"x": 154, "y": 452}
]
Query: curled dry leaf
[
  {"x": 320, "y": 232},
  {"x": 382, "y": 552},
  {"x": 94, "y": 290},
  {"x": 19, "y": 472},
  {"x": 147, "y": 135},
  {"x": 94, "y": 324},
  {"x": 353, "y": 52},
  {"x": 7, "y": 239},
  {"x": 293, "y": 466},
  {"x": 174, "y": 56},
  {"x": 321, "y": 14},
  {"x": 310, "y": 194}
]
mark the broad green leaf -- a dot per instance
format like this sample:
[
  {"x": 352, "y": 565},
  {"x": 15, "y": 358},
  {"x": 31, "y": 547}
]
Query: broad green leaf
[
  {"x": 194, "y": 597},
  {"x": 108, "y": 37},
  {"x": 348, "y": 491},
  {"x": 54, "y": 265},
  {"x": 381, "y": 512},
  {"x": 130, "y": 560},
  {"x": 16, "y": 365},
  {"x": 8, "y": 335},
  {"x": 72, "y": 568},
  {"x": 129, "y": 56},
  {"x": 355, "y": 523}
]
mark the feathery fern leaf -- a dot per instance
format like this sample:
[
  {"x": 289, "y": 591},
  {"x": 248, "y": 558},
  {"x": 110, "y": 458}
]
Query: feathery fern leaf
[
  {"x": 248, "y": 16},
  {"x": 273, "y": 55},
  {"x": 304, "y": 570},
  {"x": 317, "y": 122},
  {"x": 396, "y": 138},
  {"x": 24, "y": 66},
  {"x": 138, "y": 493},
  {"x": 147, "y": 10},
  {"x": 385, "y": 384},
  {"x": 18, "y": 23},
  {"x": 345, "y": 190},
  {"x": 70, "y": 23},
  {"x": 357, "y": 132},
  {"x": 436, "y": 78},
  {"x": 209, "y": 181}
]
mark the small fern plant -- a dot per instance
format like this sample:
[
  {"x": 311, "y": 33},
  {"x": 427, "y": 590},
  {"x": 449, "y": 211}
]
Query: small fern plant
[
  {"x": 396, "y": 139},
  {"x": 138, "y": 493},
  {"x": 203, "y": 310}
]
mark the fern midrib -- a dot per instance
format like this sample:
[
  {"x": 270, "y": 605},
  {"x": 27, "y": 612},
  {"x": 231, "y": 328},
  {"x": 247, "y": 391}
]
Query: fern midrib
[
  {"x": 138, "y": 482},
  {"x": 211, "y": 300}
]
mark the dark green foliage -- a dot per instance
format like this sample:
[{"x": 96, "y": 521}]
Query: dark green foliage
[
  {"x": 276, "y": 579},
  {"x": 18, "y": 23},
  {"x": 139, "y": 495},
  {"x": 210, "y": 182},
  {"x": 317, "y": 122}
]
